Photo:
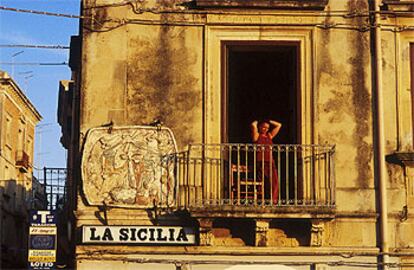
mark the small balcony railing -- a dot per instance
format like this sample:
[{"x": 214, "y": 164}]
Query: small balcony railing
[
  {"x": 253, "y": 175},
  {"x": 22, "y": 161}
]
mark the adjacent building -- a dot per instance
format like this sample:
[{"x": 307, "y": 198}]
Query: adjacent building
[
  {"x": 18, "y": 118},
  {"x": 157, "y": 119},
  {"x": 39, "y": 197}
]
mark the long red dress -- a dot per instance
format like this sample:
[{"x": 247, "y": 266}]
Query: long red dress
[{"x": 265, "y": 165}]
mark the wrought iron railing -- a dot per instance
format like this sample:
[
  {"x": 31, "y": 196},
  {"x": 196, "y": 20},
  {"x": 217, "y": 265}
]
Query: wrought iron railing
[
  {"x": 54, "y": 181},
  {"x": 254, "y": 175}
]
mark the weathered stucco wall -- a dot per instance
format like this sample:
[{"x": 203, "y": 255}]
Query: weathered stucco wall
[
  {"x": 343, "y": 87},
  {"x": 165, "y": 79},
  {"x": 139, "y": 73},
  {"x": 104, "y": 76},
  {"x": 153, "y": 68}
]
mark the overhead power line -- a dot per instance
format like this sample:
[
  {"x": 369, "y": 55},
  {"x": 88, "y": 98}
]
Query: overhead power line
[
  {"x": 60, "y": 47},
  {"x": 34, "y": 64},
  {"x": 42, "y": 12}
]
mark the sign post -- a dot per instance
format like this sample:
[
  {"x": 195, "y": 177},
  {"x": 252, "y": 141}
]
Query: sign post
[{"x": 42, "y": 240}]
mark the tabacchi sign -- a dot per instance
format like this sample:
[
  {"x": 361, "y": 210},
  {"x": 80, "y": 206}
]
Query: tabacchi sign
[{"x": 144, "y": 235}]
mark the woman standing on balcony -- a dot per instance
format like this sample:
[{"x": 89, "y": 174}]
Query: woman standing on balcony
[{"x": 263, "y": 133}]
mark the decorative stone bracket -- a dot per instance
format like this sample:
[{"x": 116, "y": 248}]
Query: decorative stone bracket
[
  {"x": 317, "y": 232},
  {"x": 401, "y": 158},
  {"x": 406, "y": 161},
  {"x": 262, "y": 228},
  {"x": 206, "y": 232}
]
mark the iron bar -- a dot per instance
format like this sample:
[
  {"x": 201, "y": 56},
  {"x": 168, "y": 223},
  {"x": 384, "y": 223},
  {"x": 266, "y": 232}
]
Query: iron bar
[
  {"x": 287, "y": 174},
  {"x": 295, "y": 176}
]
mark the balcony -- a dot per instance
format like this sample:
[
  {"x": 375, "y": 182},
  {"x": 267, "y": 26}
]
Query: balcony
[
  {"x": 22, "y": 161},
  {"x": 252, "y": 180}
]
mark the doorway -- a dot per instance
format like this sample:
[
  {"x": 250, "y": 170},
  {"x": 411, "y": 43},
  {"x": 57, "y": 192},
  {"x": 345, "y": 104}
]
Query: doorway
[{"x": 261, "y": 81}]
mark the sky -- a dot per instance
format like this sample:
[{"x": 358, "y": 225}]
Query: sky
[{"x": 40, "y": 83}]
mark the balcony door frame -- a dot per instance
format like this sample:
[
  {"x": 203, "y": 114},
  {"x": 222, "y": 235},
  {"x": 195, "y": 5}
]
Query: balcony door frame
[
  {"x": 266, "y": 45},
  {"x": 217, "y": 36}
]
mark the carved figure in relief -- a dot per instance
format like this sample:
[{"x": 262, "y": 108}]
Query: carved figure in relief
[{"x": 124, "y": 167}]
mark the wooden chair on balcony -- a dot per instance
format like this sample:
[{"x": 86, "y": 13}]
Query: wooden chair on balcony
[{"x": 244, "y": 185}]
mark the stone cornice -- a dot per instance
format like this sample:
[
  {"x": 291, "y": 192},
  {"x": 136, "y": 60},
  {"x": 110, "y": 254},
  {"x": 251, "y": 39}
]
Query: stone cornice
[
  {"x": 399, "y": 5},
  {"x": 13, "y": 90},
  {"x": 276, "y": 4},
  {"x": 401, "y": 158}
]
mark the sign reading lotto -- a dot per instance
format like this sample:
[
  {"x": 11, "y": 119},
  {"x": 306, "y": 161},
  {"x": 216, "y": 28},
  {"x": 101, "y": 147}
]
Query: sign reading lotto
[
  {"x": 143, "y": 235},
  {"x": 42, "y": 244},
  {"x": 42, "y": 240}
]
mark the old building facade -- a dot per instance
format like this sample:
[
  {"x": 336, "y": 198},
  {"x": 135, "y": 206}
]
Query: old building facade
[
  {"x": 157, "y": 123},
  {"x": 17, "y": 132}
]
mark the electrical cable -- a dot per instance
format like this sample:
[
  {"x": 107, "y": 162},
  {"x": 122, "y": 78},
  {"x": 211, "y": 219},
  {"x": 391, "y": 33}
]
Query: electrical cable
[
  {"x": 325, "y": 26},
  {"x": 60, "y": 47},
  {"x": 181, "y": 10},
  {"x": 34, "y": 64},
  {"x": 42, "y": 12}
]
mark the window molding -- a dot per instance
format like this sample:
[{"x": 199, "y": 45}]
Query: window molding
[
  {"x": 216, "y": 35},
  {"x": 405, "y": 95},
  {"x": 399, "y": 5}
]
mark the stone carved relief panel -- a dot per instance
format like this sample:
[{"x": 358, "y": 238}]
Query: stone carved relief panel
[{"x": 126, "y": 166}]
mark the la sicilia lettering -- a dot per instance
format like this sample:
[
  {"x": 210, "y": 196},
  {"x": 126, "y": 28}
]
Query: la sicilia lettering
[{"x": 140, "y": 235}]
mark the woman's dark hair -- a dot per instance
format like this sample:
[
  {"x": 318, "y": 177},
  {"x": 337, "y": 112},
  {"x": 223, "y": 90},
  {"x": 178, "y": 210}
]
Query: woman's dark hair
[{"x": 261, "y": 122}]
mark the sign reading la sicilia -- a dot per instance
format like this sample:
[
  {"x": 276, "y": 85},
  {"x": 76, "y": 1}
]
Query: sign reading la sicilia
[{"x": 143, "y": 235}]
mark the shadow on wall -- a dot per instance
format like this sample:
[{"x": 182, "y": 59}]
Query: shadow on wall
[{"x": 13, "y": 225}]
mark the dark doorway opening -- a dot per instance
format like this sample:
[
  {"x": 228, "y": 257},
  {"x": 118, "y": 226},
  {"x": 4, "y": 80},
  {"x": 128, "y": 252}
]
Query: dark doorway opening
[{"x": 261, "y": 83}]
